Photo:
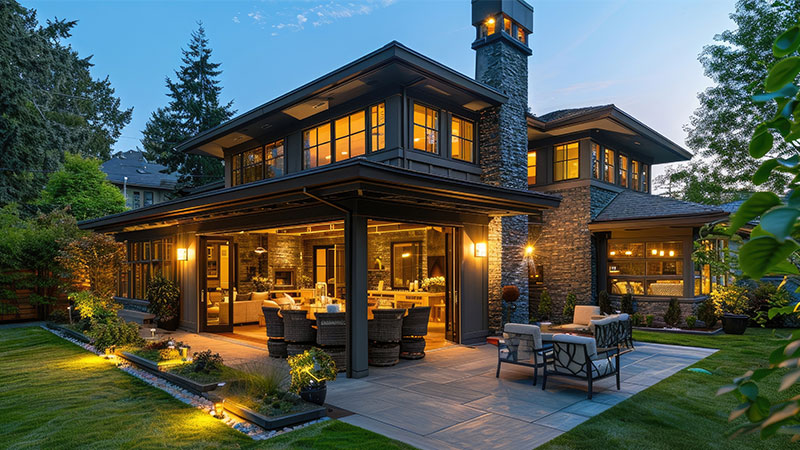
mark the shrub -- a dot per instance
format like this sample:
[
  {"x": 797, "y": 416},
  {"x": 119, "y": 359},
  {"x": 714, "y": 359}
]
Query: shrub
[
  {"x": 569, "y": 306},
  {"x": 707, "y": 313},
  {"x": 729, "y": 300},
  {"x": 164, "y": 297},
  {"x": 673, "y": 315},
  {"x": 626, "y": 303},
  {"x": 114, "y": 332},
  {"x": 310, "y": 368},
  {"x": 637, "y": 320},
  {"x": 207, "y": 362},
  {"x": 690, "y": 321},
  {"x": 764, "y": 297},
  {"x": 510, "y": 293},
  {"x": 649, "y": 320},
  {"x": 90, "y": 305},
  {"x": 545, "y": 305},
  {"x": 96, "y": 259},
  {"x": 604, "y": 302},
  {"x": 256, "y": 379}
]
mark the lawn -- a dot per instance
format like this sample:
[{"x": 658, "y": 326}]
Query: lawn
[
  {"x": 683, "y": 411},
  {"x": 57, "y": 395}
]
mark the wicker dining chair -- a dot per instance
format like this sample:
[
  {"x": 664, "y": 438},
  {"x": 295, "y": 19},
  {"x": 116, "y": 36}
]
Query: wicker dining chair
[
  {"x": 332, "y": 337},
  {"x": 384, "y": 332},
  {"x": 298, "y": 331},
  {"x": 276, "y": 344},
  {"x": 414, "y": 330}
]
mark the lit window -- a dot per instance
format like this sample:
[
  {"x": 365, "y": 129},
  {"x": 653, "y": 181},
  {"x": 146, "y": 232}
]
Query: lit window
[
  {"x": 565, "y": 165},
  {"x": 490, "y": 26},
  {"x": 426, "y": 128},
  {"x": 651, "y": 268},
  {"x": 635, "y": 175},
  {"x": 273, "y": 156},
  {"x": 378, "y": 126},
  {"x": 463, "y": 137},
  {"x": 532, "y": 167},
  {"x": 608, "y": 166},
  {"x": 645, "y": 178},
  {"x": 520, "y": 34},
  {"x": 350, "y": 136},
  {"x": 623, "y": 171},
  {"x": 507, "y": 25},
  {"x": 236, "y": 170},
  {"x": 595, "y": 160},
  {"x": 317, "y": 146},
  {"x": 252, "y": 165}
]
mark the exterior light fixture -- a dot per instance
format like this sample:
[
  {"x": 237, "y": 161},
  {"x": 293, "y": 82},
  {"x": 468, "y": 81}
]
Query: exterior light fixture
[
  {"x": 219, "y": 408},
  {"x": 671, "y": 253},
  {"x": 480, "y": 249},
  {"x": 184, "y": 352},
  {"x": 183, "y": 255},
  {"x": 260, "y": 250},
  {"x": 529, "y": 250},
  {"x": 490, "y": 21}
]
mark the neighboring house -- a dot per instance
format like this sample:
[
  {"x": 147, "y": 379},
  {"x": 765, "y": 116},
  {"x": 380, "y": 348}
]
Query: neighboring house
[
  {"x": 142, "y": 183},
  {"x": 395, "y": 171}
]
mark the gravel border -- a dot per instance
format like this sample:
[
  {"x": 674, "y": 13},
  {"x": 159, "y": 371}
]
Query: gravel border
[{"x": 207, "y": 406}]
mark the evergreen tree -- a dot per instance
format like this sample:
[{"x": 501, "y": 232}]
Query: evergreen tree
[
  {"x": 194, "y": 107},
  {"x": 49, "y": 103},
  {"x": 720, "y": 130}
]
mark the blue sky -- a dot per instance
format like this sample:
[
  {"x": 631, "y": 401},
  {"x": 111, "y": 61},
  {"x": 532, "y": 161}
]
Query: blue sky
[{"x": 638, "y": 54}]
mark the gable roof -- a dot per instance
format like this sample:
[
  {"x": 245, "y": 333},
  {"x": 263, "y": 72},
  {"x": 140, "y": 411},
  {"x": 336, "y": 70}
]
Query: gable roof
[
  {"x": 140, "y": 172},
  {"x": 632, "y": 205}
]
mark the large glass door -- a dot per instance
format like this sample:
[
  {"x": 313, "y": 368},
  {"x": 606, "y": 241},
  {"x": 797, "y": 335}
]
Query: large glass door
[{"x": 216, "y": 284}]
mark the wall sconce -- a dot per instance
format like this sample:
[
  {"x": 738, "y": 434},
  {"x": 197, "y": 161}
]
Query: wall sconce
[
  {"x": 529, "y": 251},
  {"x": 260, "y": 250},
  {"x": 480, "y": 249},
  {"x": 183, "y": 255}
]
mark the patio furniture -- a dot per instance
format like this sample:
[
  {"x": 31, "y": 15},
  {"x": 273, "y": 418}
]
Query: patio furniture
[
  {"x": 332, "y": 337},
  {"x": 413, "y": 332},
  {"x": 606, "y": 332},
  {"x": 298, "y": 331},
  {"x": 276, "y": 344},
  {"x": 581, "y": 318},
  {"x": 577, "y": 357},
  {"x": 625, "y": 330},
  {"x": 522, "y": 345},
  {"x": 384, "y": 332}
]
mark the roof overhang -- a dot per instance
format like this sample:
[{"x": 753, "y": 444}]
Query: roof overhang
[
  {"x": 392, "y": 66},
  {"x": 677, "y": 220},
  {"x": 356, "y": 178},
  {"x": 617, "y": 123}
]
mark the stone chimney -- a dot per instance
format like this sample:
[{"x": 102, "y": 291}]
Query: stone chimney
[{"x": 501, "y": 61}]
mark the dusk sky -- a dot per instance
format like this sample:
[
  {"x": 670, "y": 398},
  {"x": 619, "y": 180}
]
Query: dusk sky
[{"x": 638, "y": 54}]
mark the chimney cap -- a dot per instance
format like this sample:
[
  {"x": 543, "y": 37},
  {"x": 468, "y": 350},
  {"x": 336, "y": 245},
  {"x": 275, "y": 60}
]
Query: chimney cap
[{"x": 518, "y": 10}]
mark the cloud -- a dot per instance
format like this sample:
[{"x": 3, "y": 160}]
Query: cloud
[
  {"x": 318, "y": 14},
  {"x": 236, "y": 19}
]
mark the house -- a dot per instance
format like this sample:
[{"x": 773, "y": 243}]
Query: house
[
  {"x": 143, "y": 183},
  {"x": 395, "y": 172}
]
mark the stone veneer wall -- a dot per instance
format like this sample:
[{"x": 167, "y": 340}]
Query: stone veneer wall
[
  {"x": 284, "y": 252},
  {"x": 564, "y": 248},
  {"x": 503, "y": 142},
  {"x": 599, "y": 199},
  {"x": 379, "y": 245},
  {"x": 658, "y": 307}
]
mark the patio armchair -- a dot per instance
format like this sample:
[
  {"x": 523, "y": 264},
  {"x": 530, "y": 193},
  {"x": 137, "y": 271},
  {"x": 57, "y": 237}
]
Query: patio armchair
[
  {"x": 581, "y": 318},
  {"x": 298, "y": 331},
  {"x": 625, "y": 330},
  {"x": 522, "y": 345},
  {"x": 276, "y": 344},
  {"x": 577, "y": 357},
  {"x": 414, "y": 330},
  {"x": 606, "y": 332}
]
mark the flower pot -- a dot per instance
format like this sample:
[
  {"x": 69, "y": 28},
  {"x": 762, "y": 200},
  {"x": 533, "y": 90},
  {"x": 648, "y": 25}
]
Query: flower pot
[
  {"x": 734, "y": 323},
  {"x": 170, "y": 324},
  {"x": 314, "y": 394}
]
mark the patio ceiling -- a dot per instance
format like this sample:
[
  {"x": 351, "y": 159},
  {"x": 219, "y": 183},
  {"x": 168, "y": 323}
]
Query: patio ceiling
[{"x": 371, "y": 185}]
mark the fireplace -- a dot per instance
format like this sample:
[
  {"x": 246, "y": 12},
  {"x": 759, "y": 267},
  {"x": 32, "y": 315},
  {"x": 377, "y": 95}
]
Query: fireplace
[{"x": 284, "y": 278}]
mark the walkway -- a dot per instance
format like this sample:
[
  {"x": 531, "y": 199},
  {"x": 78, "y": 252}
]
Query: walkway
[{"x": 452, "y": 400}]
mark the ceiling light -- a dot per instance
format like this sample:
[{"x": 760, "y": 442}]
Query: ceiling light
[{"x": 260, "y": 250}]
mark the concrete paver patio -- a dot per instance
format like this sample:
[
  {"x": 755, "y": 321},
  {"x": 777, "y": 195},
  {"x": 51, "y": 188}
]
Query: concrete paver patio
[{"x": 452, "y": 400}]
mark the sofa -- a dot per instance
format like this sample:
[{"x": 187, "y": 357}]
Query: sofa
[
  {"x": 582, "y": 318},
  {"x": 247, "y": 307}
]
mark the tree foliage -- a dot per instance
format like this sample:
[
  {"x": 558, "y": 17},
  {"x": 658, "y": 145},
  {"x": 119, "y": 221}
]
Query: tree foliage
[
  {"x": 194, "y": 106},
  {"x": 49, "y": 103},
  {"x": 96, "y": 260},
  {"x": 82, "y": 187},
  {"x": 720, "y": 129},
  {"x": 774, "y": 241}
]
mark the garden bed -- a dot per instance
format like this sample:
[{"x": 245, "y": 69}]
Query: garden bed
[
  {"x": 147, "y": 363},
  {"x": 77, "y": 335},
  {"x": 701, "y": 332},
  {"x": 272, "y": 423},
  {"x": 166, "y": 371}
]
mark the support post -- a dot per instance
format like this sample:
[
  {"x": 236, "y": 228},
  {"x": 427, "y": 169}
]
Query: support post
[{"x": 355, "y": 241}]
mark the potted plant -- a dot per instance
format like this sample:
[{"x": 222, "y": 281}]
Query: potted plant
[
  {"x": 310, "y": 371},
  {"x": 730, "y": 302},
  {"x": 545, "y": 306},
  {"x": 510, "y": 295},
  {"x": 262, "y": 284},
  {"x": 164, "y": 299}
]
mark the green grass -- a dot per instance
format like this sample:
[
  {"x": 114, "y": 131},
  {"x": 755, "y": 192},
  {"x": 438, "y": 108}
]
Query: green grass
[
  {"x": 683, "y": 410},
  {"x": 54, "y": 394}
]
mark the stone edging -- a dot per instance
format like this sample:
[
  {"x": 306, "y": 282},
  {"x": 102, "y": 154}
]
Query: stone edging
[
  {"x": 680, "y": 331},
  {"x": 251, "y": 430}
]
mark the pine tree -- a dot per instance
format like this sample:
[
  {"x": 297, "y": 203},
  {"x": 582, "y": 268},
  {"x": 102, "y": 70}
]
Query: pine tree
[
  {"x": 49, "y": 103},
  {"x": 194, "y": 107}
]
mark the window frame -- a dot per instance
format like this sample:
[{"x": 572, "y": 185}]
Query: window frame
[
  {"x": 472, "y": 139},
  {"x": 418, "y": 245},
  {"x": 437, "y": 130},
  {"x": 534, "y": 166},
  {"x": 595, "y": 151},
  {"x": 623, "y": 173},
  {"x": 142, "y": 265},
  {"x": 612, "y": 166},
  {"x": 371, "y": 127},
  {"x": 635, "y": 174},
  {"x": 349, "y": 136},
  {"x": 566, "y": 161},
  {"x": 646, "y": 279},
  {"x": 317, "y": 144}
]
